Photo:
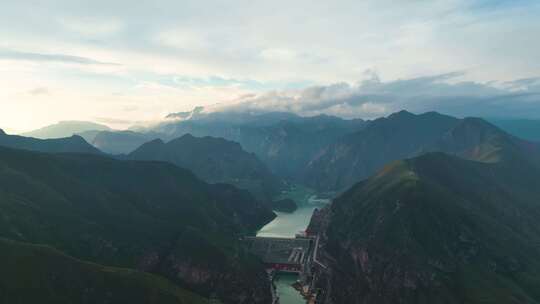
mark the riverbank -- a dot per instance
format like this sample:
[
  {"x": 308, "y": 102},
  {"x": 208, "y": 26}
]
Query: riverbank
[{"x": 287, "y": 225}]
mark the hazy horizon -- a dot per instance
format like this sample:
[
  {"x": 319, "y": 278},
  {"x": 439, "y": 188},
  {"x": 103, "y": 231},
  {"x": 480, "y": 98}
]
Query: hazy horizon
[{"x": 121, "y": 64}]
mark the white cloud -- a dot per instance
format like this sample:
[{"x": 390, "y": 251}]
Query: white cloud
[
  {"x": 223, "y": 49},
  {"x": 278, "y": 54},
  {"x": 183, "y": 39},
  {"x": 92, "y": 27},
  {"x": 372, "y": 97}
]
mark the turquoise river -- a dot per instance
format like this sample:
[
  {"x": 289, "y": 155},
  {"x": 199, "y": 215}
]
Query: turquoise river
[{"x": 287, "y": 225}]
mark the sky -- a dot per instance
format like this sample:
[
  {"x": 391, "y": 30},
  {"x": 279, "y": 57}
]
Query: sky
[{"x": 122, "y": 62}]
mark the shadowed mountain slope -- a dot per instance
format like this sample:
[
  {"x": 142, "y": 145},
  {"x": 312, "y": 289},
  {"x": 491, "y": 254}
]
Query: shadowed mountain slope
[
  {"x": 148, "y": 215},
  {"x": 65, "y": 129},
  {"x": 438, "y": 229},
  {"x": 120, "y": 142},
  {"x": 41, "y": 274},
  {"x": 403, "y": 135},
  {"x": 214, "y": 160},
  {"x": 528, "y": 129},
  {"x": 75, "y": 144},
  {"x": 283, "y": 141}
]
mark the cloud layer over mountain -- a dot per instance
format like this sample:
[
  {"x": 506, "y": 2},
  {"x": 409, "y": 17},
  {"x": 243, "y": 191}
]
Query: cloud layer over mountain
[
  {"x": 373, "y": 97},
  {"x": 138, "y": 61}
]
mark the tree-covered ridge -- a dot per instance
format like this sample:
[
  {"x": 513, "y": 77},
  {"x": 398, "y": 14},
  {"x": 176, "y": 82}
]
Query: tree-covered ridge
[
  {"x": 439, "y": 229},
  {"x": 404, "y": 135},
  {"x": 214, "y": 160},
  {"x": 148, "y": 215},
  {"x": 74, "y": 144},
  {"x": 40, "y": 274}
]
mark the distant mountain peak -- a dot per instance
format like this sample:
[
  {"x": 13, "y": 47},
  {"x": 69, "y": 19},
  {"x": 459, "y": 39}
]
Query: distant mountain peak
[
  {"x": 152, "y": 145},
  {"x": 187, "y": 135},
  {"x": 157, "y": 141},
  {"x": 214, "y": 160},
  {"x": 402, "y": 114},
  {"x": 402, "y": 135},
  {"x": 66, "y": 128},
  {"x": 73, "y": 144}
]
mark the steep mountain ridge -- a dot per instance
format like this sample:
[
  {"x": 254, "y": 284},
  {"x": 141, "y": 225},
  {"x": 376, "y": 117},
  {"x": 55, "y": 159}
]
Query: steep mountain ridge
[
  {"x": 65, "y": 129},
  {"x": 438, "y": 229},
  {"x": 75, "y": 144},
  {"x": 121, "y": 142},
  {"x": 214, "y": 160},
  {"x": 152, "y": 216},
  {"x": 403, "y": 135},
  {"x": 283, "y": 141},
  {"x": 40, "y": 274},
  {"x": 528, "y": 129}
]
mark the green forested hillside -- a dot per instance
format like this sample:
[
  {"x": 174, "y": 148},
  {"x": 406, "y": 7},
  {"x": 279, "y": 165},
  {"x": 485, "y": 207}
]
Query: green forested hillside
[
  {"x": 74, "y": 144},
  {"x": 214, "y": 160},
  {"x": 438, "y": 229},
  {"x": 41, "y": 274},
  {"x": 403, "y": 135},
  {"x": 147, "y": 215}
]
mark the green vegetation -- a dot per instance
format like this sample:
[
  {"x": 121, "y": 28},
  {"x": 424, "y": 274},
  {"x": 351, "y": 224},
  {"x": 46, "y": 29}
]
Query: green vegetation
[
  {"x": 41, "y": 274},
  {"x": 298, "y": 193},
  {"x": 403, "y": 135},
  {"x": 214, "y": 160},
  {"x": 285, "y": 142},
  {"x": 438, "y": 229},
  {"x": 284, "y": 205},
  {"x": 151, "y": 216},
  {"x": 74, "y": 144}
]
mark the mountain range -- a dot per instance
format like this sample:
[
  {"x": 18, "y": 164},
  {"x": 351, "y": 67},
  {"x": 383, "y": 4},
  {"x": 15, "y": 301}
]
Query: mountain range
[
  {"x": 437, "y": 229},
  {"x": 356, "y": 156},
  {"x": 55, "y": 278},
  {"x": 119, "y": 142},
  {"x": 324, "y": 152},
  {"x": 65, "y": 129},
  {"x": 150, "y": 216},
  {"x": 429, "y": 209},
  {"x": 214, "y": 160},
  {"x": 283, "y": 141},
  {"x": 74, "y": 144}
]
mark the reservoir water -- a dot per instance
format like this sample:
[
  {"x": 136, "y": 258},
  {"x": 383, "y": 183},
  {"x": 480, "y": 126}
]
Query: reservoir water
[{"x": 287, "y": 225}]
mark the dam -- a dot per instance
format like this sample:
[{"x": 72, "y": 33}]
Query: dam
[{"x": 282, "y": 254}]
